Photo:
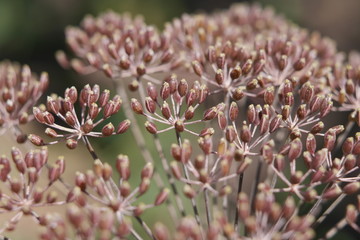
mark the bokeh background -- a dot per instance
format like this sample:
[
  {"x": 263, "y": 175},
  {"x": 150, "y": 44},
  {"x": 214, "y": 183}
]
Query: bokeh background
[{"x": 32, "y": 30}]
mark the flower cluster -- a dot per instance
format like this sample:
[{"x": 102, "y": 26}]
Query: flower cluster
[
  {"x": 95, "y": 106},
  {"x": 174, "y": 95},
  {"x": 20, "y": 89},
  {"x": 119, "y": 45},
  {"x": 22, "y": 193},
  {"x": 100, "y": 206}
]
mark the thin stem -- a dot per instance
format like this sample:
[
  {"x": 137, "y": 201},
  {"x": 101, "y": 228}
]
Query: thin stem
[
  {"x": 90, "y": 148},
  {"x": 314, "y": 210},
  {"x": 345, "y": 134},
  {"x": 135, "y": 234},
  {"x": 334, "y": 230},
  {"x": 146, "y": 227},
  {"x": 207, "y": 207},
  {"x": 254, "y": 186},
  {"x": 236, "y": 221},
  {"x": 329, "y": 209}
]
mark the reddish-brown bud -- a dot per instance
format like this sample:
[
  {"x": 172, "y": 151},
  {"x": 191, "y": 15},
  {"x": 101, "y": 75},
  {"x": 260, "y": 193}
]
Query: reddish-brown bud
[
  {"x": 71, "y": 143},
  {"x": 136, "y": 106},
  {"x": 189, "y": 191},
  {"x": 151, "y": 127},
  {"x": 150, "y": 104},
  {"x": 197, "y": 68},
  {"x": 245, "y": 133},
  {"x": 233, "y": 111},
  {"x": 230, "y": 134},
  {"x": 162, "y": 197},
  {"x": 151, "y": 91},
  {"x": 123, "y": 126},
  {"x": 179, "y": 125},
  {"x": 269, "y": 95},
  {"x": 183, "y": 87},
  {"x": 219, "y": 76},
  {"x": 317, "y": 128},
  {"x": 275, "y": 123},
  {"x": 36, "y": 140},
  {"x": 123, "y": 166}
]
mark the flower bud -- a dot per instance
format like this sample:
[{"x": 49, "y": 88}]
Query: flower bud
[
  {"x": 189, "y": 191},
  {"x": 238, "y": 93},
  {"x": 136, "y": 106},
  {"x": 183, "y": 87},
  {"x": 230, "y": 134},
  {"x": 233, "y": 111},
  {"x": 150, "y": 105},
  {"x": 219, "y": 76},
  {"x": 161, "y": 232},
  {"x": 144, "y": 185},
  {"x": 123, "y": 166},
  {"x": 332, "y": 192},
  {"x": 243, "y": 165},
  {"x": 210, "y": 114},
  {"x": 351, "y": 188},
  {"x": 269, "y": 95},
  {"x": 245, "y": 133},
  {"x": 165, "y": 91},
  {"x": 295, "y": 149},
  {"x": 123, "y": 126},
  {"x": 235, "y": 73},
  {"x": 311, "y": 143},
  {"x": 317, "y": 128},
  {"x": 108, "y": 129},
  {"x": 197, "y": 68},
  {"x": 36, "y": 140},
  {"x": 179, "y": 125},
  {"x": 147, "y": 171},
  {"x": 162, "y": 197},
  {"x": 150, "y": 127}
]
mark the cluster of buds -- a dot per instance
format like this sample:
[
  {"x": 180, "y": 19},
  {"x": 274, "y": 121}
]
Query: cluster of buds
[
  {"x": 265, "y": 51},
  {"x": 322, "y": 168},
  {"x": 19, "y": 89},
  {"x": 22, "y": 192},
  {"x": 85, "y": 223},
  {"x": 221, "y": 228},
  {"x": 173, "y": 96},
  {"x": 118, "y": 45},
  {"x": 267, "y": 218},
  {"x": 210, "y": 170},
  {"x": 96, "y": 107},
  {"x": 97, "y": 186},
  {"x": 344, "y": 85}
]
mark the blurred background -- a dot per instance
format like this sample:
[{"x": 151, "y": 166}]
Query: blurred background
[{"x": 32, "y": 30}]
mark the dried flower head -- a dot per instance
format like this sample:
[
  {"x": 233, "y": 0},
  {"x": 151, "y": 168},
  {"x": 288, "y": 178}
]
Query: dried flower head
[
  {"x": 100, "y": 187},
  {"x": 23, "y": 192},
  {"x": 118, "y": 45},
  {"x": 19, "y": 89},
  {"x": 120, "y": 201},
  {"x": 165, "y": 106},
  {"x": 85, "y": 223},
  {"x": 95, "y": 106},
  {"x": 343, "y": 83}
]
